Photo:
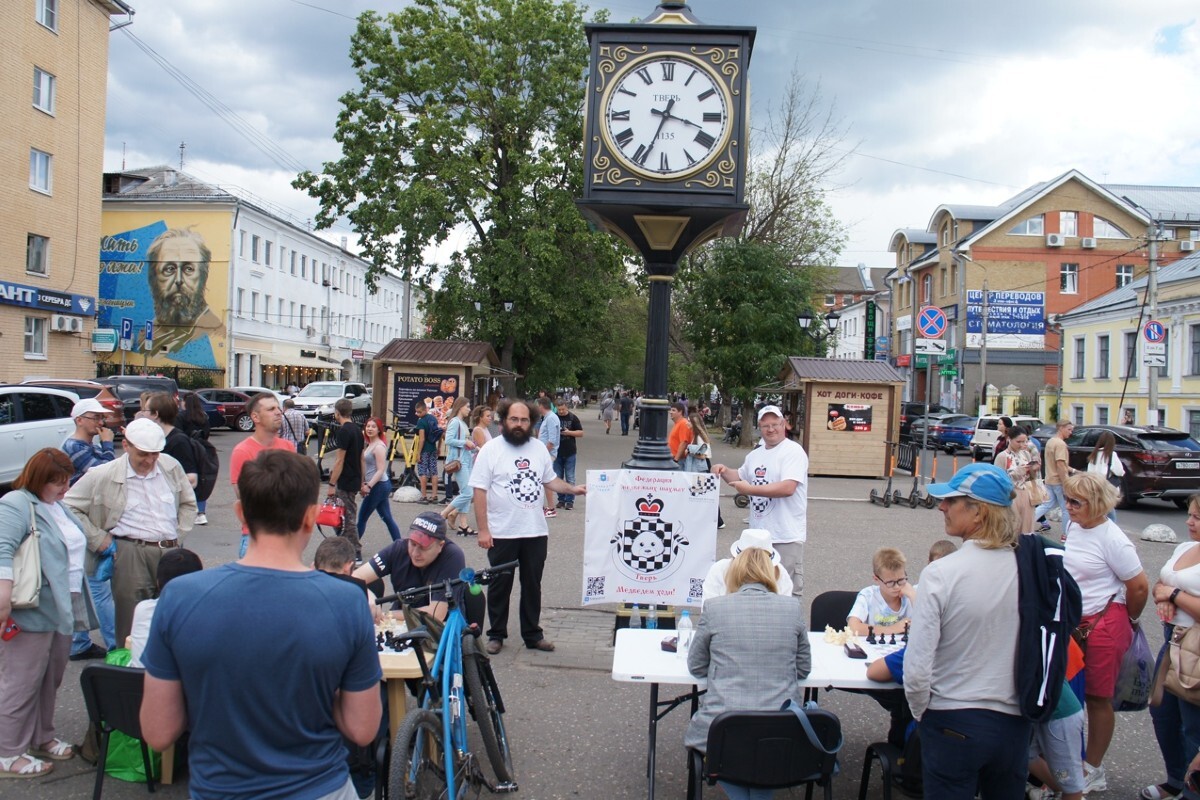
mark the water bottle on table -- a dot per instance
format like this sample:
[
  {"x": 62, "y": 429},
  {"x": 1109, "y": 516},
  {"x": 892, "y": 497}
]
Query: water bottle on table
[
  {"x": 635, "y": 617},
  {"x": 685, "y": 631},
  {"x": 652, "y": 617}
]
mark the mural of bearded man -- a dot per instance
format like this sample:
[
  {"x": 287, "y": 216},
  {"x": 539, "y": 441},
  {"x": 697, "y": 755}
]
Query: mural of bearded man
[{"x": 178, "y": 274}]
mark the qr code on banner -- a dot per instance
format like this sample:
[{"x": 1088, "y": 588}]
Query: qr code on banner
[
  {"x": 595, "y": 587},
  {"x": 695, "y": 589}
]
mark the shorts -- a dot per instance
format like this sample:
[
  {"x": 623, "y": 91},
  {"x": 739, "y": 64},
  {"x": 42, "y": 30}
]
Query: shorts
[
  {"x": 1058, "y": 741},
  {"x": 427, "y": 464},
  {"x": 1106, "y": 645}
]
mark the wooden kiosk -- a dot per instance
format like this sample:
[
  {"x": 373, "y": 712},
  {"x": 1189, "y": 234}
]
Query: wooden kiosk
[
  {"x": 434, "y": 370},
  {"x": 845, "y": 413}
]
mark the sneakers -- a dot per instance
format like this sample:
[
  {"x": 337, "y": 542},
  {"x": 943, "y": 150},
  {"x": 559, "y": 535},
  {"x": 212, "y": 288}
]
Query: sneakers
[
  {"x": 549, "y": 512},
  {"x": 95, "y": 651},
  {"x": 1040, "y": 793},
  {"x": 494, "y": 646},
  {"x": 1045, "y": 526},
  {"x": 201, "y": 519},
  {"x": 559, "y": 504},
  {"x": 568, "y": 507},
  {"x": 1094, "y": 779}
]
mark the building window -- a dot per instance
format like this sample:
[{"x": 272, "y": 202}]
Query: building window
[
  {"x": 1124, "y": 275},
  {"x": 1103, "y": 229},
  {"x": 1194, "y": 350},
  {"x": 1131, "y": 354},
  {"x": 43, "y": 90},
  {"x": 304, "y": 267},
  {"x": 1080, "y": 350},
  {"x": 291, "y": 313},
  {"x": 1068, "y": 223},
  {"x": 954, "y": 231},
  {"x": 1102, "y": 352},
  {"x": 945, "y": 279},
  {"x": 267, "y": 246},
  {"x": 47, "y": 13},
  {"x": 254, "y": 249},
  {"x": 1128, "y": 416},
  {"x": 303, "y": 315},
  {"x": 1068, "y": 279},
  {"x": 1165, "y": 370},
  {"x": 254, "y": 305},
  {"x": 830, "y": 299},
  {"x": 37, "y": 254},
  {"x": 293, "y": 262},
  {"x": 946, "y": 235},
  {"x": 926, "y": 289},
  {"x": 35, "y": 337},
  {"x": 1034, "y": 226},
  {"x": 1194, "y": 424},
  {"x": 1077, "y": 415},
  {"x": 40, "y": 170},
  {"x": 1101, "y": 415},
  {"x": 280, "y": 314},
  {"x": 267, "y": 308}
]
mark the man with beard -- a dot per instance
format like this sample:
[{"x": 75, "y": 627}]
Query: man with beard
[
  {"x": 178, "y": 275},
  {"x": 508, "y": 479}
]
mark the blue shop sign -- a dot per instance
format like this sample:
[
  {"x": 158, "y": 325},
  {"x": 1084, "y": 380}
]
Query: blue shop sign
[{"x": 17, "y": 294}]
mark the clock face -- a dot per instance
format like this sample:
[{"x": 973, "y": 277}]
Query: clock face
[{"x": 666, "y": 116}]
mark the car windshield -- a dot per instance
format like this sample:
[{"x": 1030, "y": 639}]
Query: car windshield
[
  {"x": 1161, "y": 442},
  {"x": 989, "y": 424},
  {"x": 321, "y": 390}
]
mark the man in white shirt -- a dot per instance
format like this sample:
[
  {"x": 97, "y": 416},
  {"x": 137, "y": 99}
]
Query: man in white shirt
[
  {"x": 775, "y": 478},
  {"x": 508, "y": 479}
]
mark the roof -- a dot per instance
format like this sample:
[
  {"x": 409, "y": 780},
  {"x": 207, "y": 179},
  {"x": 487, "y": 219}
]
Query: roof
[
  {"x": 1184, "y": 269},
  {"x": 839, "y": 371},
  {"x": 859, "y": 279},
  {"x": 438, "y": 351},
  {"x": 1166, "y": 203},
  {"x": 160, "y": 181},
  {"x": 913, "y": 235}
]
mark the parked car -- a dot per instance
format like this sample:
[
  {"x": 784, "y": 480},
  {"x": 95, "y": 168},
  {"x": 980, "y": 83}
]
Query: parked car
[
  {"x": 31, "y": 417},
  {"x": 216, "y": 415},
  {"x": 129, "y": 389},
  {"x": 909, "y": 412},
  {"x": 1160, "y": 463},
  {"x": 1042, "y": 434},
  {"x": 231, "y": 405},
  {"x": 317, "y": 398},
  {"x": 916, "y": 431},
  {"x": 987, "y": 433},
  {"x": 85, "y": 389},
  {"x": 954, "y": 434},
  {"x": 250, "y": 391}
]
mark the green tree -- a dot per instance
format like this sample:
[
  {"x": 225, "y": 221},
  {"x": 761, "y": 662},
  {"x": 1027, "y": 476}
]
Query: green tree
[{"x": 466, "y": 124}]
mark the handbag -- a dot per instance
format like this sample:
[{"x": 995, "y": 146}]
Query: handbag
[
  {"x": 1182, "y": 677},
  {"x": 1038, "y": 493},
  {"x": 452, "y": 467},
  {"x": 1135, "y": 677},
  {"x": 27, "y": 567},
  {"x": 331, "y": 513}
]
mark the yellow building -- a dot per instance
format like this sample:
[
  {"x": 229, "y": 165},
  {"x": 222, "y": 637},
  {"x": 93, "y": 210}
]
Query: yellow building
[
  {"x": 52, "y": 98},
  {"x": 1105, "y": 374}
]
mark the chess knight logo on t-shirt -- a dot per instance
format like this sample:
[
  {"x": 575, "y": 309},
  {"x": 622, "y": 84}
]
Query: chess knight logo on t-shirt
[
  {"x": 648, "y": 545},
  {"x": 759, "y": 505},
  {"x": 524, "y": 486}
]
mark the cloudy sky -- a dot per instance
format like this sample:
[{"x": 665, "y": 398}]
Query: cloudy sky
[{"x": 965, "y": 104}]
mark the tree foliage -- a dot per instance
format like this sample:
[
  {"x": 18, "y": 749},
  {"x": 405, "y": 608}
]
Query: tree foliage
[{"x": 466, "y": 124}]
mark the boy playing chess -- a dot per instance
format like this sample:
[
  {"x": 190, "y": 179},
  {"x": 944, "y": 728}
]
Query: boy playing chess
[{"x": 886, "y": 605}]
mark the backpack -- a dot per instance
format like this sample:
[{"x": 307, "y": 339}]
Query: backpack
[
  {"x": 1050, "y": 607},
  {"x": 207, "y": 464}
]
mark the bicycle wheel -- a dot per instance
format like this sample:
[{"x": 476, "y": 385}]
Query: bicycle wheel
[
  {"x": 416, "y": 771},
  {"x": 483, "y": 694}
]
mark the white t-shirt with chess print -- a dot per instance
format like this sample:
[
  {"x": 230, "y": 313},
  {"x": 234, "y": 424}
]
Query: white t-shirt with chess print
[
  {"x": 784, "y": 517},
  {"x": 513, "y": 478},
  {"x": 872, "y": 609}
]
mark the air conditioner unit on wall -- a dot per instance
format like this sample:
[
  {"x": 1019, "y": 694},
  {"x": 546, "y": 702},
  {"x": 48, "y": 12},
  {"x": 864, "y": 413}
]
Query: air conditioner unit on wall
[
  {"x": 1087, "y": 243},
  {"x": 1187, "y": 245},
  {"x": 324, "y": 339},
  {"x": 1055, "y": 240},
  {"x": 310, "y": 331},
  {"x": 63, "y": 323}
]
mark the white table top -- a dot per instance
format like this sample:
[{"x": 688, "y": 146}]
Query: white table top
[{"x": 639, "y": 658}]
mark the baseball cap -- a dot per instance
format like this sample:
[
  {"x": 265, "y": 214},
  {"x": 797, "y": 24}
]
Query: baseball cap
[
  {"x": 755, "y": 537},
  {"x": 427, "y": 528},
  {"x": 88, "y": 405},
  {"x": 983, "y": 482},
  {"x": 762, "y": 412},
  {"x": 146, "y": 435}
]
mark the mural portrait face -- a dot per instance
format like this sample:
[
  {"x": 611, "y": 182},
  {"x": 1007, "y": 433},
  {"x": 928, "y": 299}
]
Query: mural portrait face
[{"x": 178, "y": 274}]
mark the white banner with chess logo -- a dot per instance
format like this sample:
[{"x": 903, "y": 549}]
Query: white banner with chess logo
[{"x": 649, "y": 536}]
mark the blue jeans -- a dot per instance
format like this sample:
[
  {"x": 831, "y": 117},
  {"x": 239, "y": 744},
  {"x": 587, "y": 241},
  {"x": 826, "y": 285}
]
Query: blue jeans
[
  {"x": 105, "y": 611},
  {"x": 736, "y": 792},
  {"x": 378, "y": 500},
  {"x": 1056, "y": 499},
  {"x": 969, "y": 749},
  {"x": 462, "y": 501},
  {"x": 1176, "y": 726},
  {"x": 564, "y": 467},
  {"x": 625, "y": 424}
]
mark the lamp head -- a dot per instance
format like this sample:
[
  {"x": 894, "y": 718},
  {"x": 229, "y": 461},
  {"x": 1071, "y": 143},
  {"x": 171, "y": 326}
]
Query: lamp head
[
  {"x": 804, "y": 319},
  {"x": 831, "y": 320}
]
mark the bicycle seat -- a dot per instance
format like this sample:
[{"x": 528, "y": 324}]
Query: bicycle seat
[{"x": 407, "y": 638}]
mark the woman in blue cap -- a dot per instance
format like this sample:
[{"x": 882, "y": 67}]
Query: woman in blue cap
[{"x": 960, "y": 665}]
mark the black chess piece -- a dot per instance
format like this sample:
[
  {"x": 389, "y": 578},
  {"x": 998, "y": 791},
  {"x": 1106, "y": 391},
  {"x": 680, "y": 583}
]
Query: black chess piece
[
  {"x": 870, "y": 634},
  {"x": 893, "y": 640},
  {"x": 905, "y": 637}
]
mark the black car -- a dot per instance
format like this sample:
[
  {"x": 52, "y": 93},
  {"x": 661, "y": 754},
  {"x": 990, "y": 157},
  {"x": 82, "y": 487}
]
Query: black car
[
  {"x": 1160, "y": 463},
  {"x": 129, "y": 389},
  {"x": 911, "y": 411}
]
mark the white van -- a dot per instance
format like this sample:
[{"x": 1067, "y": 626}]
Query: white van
[{"x": 987, "y": 433}]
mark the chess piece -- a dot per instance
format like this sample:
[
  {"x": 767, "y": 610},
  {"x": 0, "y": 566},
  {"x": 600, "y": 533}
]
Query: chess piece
[
  {"x": 893, "y": 640},
  {"x": 870, "y": 634},
  {"x": 905, "y": 637}
]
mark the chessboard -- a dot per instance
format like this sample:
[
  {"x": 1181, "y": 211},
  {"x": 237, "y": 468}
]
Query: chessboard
[{"x": 883, "y": 644}]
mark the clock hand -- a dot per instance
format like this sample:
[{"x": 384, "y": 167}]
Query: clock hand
[
  {"x": 665, "y": 115},
  {"x": 669, "y": 115}
]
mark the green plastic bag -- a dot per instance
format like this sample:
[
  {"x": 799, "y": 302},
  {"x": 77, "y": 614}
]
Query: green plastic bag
[{"x": 124, "y": 761}]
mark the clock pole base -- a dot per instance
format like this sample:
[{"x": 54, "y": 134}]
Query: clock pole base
[{"x": 651, "y": 454}]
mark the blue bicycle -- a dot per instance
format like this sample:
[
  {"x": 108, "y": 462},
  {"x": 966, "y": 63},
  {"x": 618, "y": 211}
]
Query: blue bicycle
[{"x": 431, "y": 758}]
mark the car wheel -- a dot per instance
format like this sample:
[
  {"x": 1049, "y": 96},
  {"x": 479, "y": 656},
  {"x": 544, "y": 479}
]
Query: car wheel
[
  {"x": 1128, "y": 499},
  {"x": 1180, "y": 502},
  {"x": 244, "y": 423},
  {"x": 950, "y": 449}
]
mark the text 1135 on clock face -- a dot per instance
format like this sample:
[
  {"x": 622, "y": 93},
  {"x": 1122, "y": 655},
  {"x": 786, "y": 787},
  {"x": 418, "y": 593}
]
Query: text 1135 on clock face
[{"x": 666, "y": 117}]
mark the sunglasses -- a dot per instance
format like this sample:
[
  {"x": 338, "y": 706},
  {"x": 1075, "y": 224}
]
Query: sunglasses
[
  {"x": 1075, "y": 502},
  {"x": 892, "y": 584}
]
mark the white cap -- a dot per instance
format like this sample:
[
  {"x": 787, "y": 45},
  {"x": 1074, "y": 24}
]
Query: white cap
[
  {"x": 146, "y": 435},
  {"x": 762, "y": 412},
  {"x": 88, "y": 406},
  {"x": 755, "y": 537}
]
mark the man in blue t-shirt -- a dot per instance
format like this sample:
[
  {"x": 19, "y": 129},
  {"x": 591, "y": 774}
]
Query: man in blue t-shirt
[{"x": 266, "y": 700}]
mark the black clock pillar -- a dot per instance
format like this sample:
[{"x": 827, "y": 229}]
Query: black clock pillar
[{"x": 665, "y": 161}]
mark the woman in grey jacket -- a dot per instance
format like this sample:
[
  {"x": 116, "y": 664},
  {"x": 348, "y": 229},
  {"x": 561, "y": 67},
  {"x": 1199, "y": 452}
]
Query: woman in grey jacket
[
  {"x": 752, "y": 646},
  {"x": 35, "y": 658}
]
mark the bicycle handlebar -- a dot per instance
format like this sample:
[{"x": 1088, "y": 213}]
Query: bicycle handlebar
[{"x": 467, "y": 576}]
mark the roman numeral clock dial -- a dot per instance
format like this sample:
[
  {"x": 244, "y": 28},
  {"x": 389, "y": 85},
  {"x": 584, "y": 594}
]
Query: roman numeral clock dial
[{"x": 666, "y": 116}]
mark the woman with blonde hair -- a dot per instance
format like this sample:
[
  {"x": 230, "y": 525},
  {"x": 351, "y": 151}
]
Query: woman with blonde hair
[
  {"x": 1114, "y": 586},
  {"x": 699, "y": 454},
  {"x": 752, "y": 647},
  {"x": 460, "y": 447},
  {"x": 960, "y": 666}
]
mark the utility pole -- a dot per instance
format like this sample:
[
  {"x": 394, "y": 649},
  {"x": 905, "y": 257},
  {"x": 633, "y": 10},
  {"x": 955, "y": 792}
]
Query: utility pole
[
  {"x": 1152, "y": 310},
  {"x": 983, "y": 401}
]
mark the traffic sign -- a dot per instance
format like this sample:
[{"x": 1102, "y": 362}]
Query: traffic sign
[
  {"x": 948, "y": 372},
  {"x": 1154, "y": 348},
  {"x": 931, "y": 322},
  {"x": 949, "y": 359},
  {"x": 1153, "y": 331},
  {"x": 1154, "y": 360},
  {"x": 104, "y": 340},
  {"x": 126, "y": 333},
  {"x": 148, "y": 339},
  {"x": 935, "y": 347}
]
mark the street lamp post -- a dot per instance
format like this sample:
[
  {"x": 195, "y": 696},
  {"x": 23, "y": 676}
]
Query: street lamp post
[{"x": 805, "y": 320}]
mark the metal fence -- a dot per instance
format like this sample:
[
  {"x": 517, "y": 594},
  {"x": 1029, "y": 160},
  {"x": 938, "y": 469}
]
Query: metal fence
[{"x": 186, "y": 377}]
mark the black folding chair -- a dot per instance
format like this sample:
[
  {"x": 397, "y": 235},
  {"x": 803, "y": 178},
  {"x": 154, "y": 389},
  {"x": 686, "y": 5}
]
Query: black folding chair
[
  {"x": 113, "y": 696},
  {"x": 900, "y": 767},
  {"x": 828, "y": 608},
  {"x": 768, "y": 750}
]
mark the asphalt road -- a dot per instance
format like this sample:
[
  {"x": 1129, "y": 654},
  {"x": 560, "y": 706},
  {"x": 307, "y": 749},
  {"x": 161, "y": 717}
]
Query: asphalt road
[{"x": 578, "y": 734}]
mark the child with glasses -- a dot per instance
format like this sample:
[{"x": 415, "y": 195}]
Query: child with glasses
[{"x": 885, "y": 605}]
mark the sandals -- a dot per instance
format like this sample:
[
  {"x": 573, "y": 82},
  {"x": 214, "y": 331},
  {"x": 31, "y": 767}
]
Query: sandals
[
  {"x": 466, "y": 530},
  {"x": 33, "y": 768},
  {"x": 55, "y": 750},
  {"x": 1158, "y": 791}
]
